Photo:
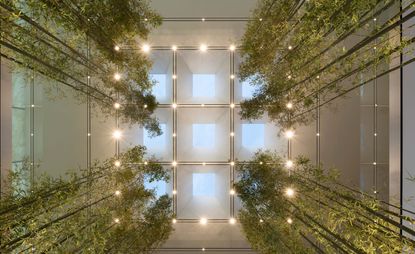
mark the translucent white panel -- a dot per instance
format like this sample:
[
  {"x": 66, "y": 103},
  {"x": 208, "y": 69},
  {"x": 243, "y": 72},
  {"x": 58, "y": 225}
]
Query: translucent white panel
[
  {"x": 211, "y": 186},
  {"x": 258, "y": 134},
  {"x": 160, "y": 146},
  {"x": 102, "y": 143},
  {"x": 158, "y": 186},
  {"x": 253, "y": 135},
  {"x": 247, "y": 89},
  {"x": 162, "y": 74},
  {"x": 217, "y": 235},
  {"x": 243, "y": 89},
  {"x": 203, "y": 77},
  {"x": 203, "y": 85},
  {"x": 158, "y": 142},
  {"x": 60, "y": 133},
  {"x": 159, "y": 89},
  {"x": 203, "y": 135},
  {"x": 204, "y": 184},
  {"x": 207, "y": 143}
]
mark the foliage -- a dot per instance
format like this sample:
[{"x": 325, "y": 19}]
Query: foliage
[
  {"x": 309, "y": 52},
  {"x": 73, "y": 42},
  {"x": 330, "y": 217},
  {"x": 106, "y": 209}
]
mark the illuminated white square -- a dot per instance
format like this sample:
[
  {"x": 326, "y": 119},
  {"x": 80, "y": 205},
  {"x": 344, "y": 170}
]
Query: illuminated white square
[
  {"x": 204, "y": 184},
  {"x": 158, "y": 142},
  {"x": 203, "y": 135},
  {"x": 253, "y": 135},
  {"x": 204, "y": 85},
  {"x": 159, "y": 89}
]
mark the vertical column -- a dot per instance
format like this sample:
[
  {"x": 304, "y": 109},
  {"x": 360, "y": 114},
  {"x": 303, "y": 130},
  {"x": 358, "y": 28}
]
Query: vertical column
[
  {"x": 375, "y": 121},
  {"x": 174, "y": 78},
  {"x": 232, "y": 130},
  {"x": 32, "y": 126},
  {"x": 318, "y": 126},
  {"x": 88, "y": 122}
]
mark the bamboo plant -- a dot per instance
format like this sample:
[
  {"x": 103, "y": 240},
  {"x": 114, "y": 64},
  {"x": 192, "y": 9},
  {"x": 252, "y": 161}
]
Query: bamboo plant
[
  {"x": 83, "y": 44},
  {"x": 301, "y": 55},
  {"x": 105, "y": 209},
  {"x": 304, "y": 209}
]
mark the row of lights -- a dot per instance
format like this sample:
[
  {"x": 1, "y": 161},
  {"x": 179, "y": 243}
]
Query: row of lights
[
  {"x": 204, "y": 221},
  {"x": 289, "y": 134},
  {"x": 146, "y": 48}
]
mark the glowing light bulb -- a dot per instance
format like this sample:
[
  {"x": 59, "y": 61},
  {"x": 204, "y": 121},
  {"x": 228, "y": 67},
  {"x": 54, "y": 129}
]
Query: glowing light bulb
[
  {"x": 289, "y": 76},
  {"x": 117, "y": 193},
  {"x": 174, "y": 76},
  {"x": 203, "y": 249},
  {"x": 174, "y": 221},
  {"x": 203, "y": 47},
  {"x": 145, "y": 48},
  {"x": 232, "y": 192},
  {"x": 289, "y": 192},
  {"x": 289, "y": 221},
  {"x": 232, "y": 221},
  {"x": 289, "y": 164},
  {"x": 116, "y": 220},
  {"x": 232, "y": 134},
  {"x": 260, "y": 163},
  {"x": 145, "y": 163},
  {"x": 117, "y": 48},
  {"x": 117, "y": 134},
  {"x": 232, "y": 47},
  {"x": 232, "y": 76},
  {"x": 117, "y": 76},
  {"x": 174, "y": 135},
  {"x": 232, "y": 105},
  {"x": 145, "y": 106},
  {"x": 174, "y": 192},
  {"x": 290, "y": 47},
  {"x": 261, "y": 221},
  {"x": 203, "y": 19},
  {"x": 289, "y": 105},
  {"x": 289, "y": 134},
  {"x": 260, "y": 19},
  {"x": 174, "y": 163},
  {"x": 202, "y": 105},
  {"x": 204, "y": 164},
  {"x": 117, "y": 163},
  {"x": 174, "y": 105},
  {"x": 203, "y": 221},
  {"x": 232, "y": 163},
  {"x": 174, "y": 47},
  {"x": 117, "y": 105}
]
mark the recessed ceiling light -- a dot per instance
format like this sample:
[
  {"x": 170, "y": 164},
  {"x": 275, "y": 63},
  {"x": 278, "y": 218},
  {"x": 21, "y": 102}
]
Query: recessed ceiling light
[{"x": 145, "y": 48}]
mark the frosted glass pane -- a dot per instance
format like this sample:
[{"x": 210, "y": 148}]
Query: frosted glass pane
[
  {"x": 203, "y": 135},
  {"x": 204, "y": 85},
  {"x": 204, "y": 184},
  {"x": 247, "y": 89},
  {"x": 253, "y": 135},
  {"x": 158, "y": 142},
  {"x": 158, "y": 186},
  {"x": 159, "y": 89}
]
